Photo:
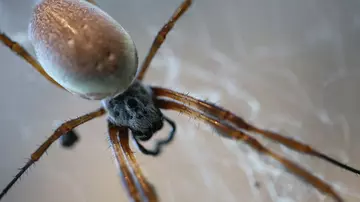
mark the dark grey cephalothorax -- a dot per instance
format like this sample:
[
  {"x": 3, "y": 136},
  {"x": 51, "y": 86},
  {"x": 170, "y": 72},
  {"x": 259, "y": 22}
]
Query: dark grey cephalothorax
[{"x": 136, "y": 110}]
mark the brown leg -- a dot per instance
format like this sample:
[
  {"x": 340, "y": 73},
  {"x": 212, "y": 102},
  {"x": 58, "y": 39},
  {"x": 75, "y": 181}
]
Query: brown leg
[
  {"x": 92, "y": 1},
  {"x": 161, "y": 36},
  {"x": 134, "y": 181},
  {"x": 229, "y": 117},
  {"x": 235, "y": 134},
  {"x": 63, "y": 129},
  {"x": 20, "y": 51}
]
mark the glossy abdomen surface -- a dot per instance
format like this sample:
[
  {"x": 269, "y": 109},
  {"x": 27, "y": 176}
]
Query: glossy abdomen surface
[{"x": 83, "y": 48}]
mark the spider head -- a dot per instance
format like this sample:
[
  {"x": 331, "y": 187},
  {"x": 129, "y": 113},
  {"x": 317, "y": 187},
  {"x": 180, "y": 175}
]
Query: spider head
[{"x": 136, "y": 110}]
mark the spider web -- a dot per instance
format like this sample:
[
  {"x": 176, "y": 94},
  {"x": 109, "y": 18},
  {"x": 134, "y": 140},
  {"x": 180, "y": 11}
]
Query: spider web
[
  {"x": 283, "y": 88},
  {"x": 284, "y": 66}
]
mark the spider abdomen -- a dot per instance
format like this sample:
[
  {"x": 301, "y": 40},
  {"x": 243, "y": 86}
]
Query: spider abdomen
[{"x": 83, "y": 48}]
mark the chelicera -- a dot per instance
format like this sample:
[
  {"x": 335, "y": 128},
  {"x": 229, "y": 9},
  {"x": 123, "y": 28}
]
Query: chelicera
[{"x": 84, "y": 51}]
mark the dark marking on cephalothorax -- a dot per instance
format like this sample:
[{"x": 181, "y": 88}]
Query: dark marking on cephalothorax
[
  {"x": 132, "y": 103},
  {"x": 135, "y": 109}
]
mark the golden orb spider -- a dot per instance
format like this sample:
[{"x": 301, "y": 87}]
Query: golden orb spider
[{"x": 91, "y": 55}]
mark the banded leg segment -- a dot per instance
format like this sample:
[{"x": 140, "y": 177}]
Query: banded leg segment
[
  {"x": 20, "y": 51},
  {"x": 92, "y": 1},
  {"x": 23, "y": 53},
  {"x": 229, "y": 117},
  {"x": 138, "y": 188},
  {"x": 63, "y": 129},
  {"x": 232, "y": 133},
  {"x": 161, "y": 36}
]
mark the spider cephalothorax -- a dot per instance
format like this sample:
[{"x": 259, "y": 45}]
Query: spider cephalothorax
[{"x": 135, "y": 109}]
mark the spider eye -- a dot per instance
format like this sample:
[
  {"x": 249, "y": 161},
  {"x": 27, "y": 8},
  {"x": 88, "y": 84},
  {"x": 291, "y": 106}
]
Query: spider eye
[
  {"x": 132, "y": 103},
  {"x": 83, "y": 48}
]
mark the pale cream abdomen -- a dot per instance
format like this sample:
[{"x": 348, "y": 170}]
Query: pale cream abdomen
[{"x": 83, "y": 48}]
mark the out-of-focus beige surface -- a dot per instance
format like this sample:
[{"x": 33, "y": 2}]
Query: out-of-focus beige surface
[{"x": 291, "y": 66}]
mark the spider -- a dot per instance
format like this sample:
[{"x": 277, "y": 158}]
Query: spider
[{"x": 84, "y": 51}]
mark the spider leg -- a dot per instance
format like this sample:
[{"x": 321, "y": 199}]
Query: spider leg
[
  {"x": 92, "y": 1},
  {"x": 63, "y": 129},
  {"x": 23, "y": 53},
  {"x": 159, "y": 144},
  {"x": 70, "y": 138},
  {"x": 227, "y": 116},
  {"x": 138, "y": 188},
  {"x": 235, "y": 134},
  {"x": 20, "y": 51},
  {"x": 161, "y": 36}
]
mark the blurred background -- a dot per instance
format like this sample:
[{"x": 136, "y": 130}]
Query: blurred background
[{"x": 290, "y": 66}]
